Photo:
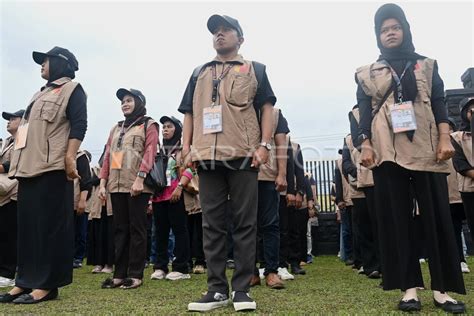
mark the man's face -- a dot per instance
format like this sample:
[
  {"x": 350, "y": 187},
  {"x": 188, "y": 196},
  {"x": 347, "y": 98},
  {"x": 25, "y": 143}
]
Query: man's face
[
  {"x": 226, "y": 39},
  {"x": 391, "y": 33},
  {"x": 45, "y": 69},
  {"x": 12, "y": 125}
]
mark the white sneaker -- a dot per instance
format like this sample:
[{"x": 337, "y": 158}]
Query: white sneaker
[
  {"x": 175, "y": 275},
  {"x": 260, "y": 273},
  {"x": 464, "y": 268},
  {"x": 158, "y": 275},
  {"x": 5, "y": 282},
  {"x": 285, "y": 275}
]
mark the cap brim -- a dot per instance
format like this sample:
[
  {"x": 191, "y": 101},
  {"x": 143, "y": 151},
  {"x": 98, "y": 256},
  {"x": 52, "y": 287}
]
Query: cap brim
[
  {"x": 39, "y": 57},
  {"x": 215, "y": 21},
  {"x": 7, "y": 116},
  {"x": 165, "y": 118},
  {"x": 122, "y": 92}
]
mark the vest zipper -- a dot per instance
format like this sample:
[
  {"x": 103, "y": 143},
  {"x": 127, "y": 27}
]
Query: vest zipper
[
  {"x": 47, "y": 156},
  {"x": 431, "y": 139}
]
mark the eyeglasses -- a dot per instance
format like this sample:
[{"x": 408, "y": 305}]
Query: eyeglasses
[{"x": 393, "y": 28}]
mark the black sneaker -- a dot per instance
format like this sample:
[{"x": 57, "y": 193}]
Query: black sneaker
[
  {"x": 77, "y": 264},
  {"x": 297, "y": 270},
  {"x": 243, "y": 302},
  {"x": 230, "y": 264},
  {"x": 210, "y": 301}
]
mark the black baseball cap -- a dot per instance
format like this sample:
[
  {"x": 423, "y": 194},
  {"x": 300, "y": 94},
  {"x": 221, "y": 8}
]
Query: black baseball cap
[
  {"x": 172, "y": 119},
  {"x": 60, "y": 52},
  {"x": 217, "y": 20},
  {"x": 7, "y": 116},
  {"x": 122, "y": 92}
]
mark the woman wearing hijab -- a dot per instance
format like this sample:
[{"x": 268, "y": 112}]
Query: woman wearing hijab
[
  {"x": 129, "y": 156},
  {"x": 404, "y": 133},
  {"x": 169, "y": 209},
  {"x": 44, "y": 162}
]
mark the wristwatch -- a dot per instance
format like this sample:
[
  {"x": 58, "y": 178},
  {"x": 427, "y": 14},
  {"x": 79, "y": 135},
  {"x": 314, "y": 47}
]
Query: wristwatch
[
  {"x": 141, "y": 174},
  {"x": 180, "y": 185},
  {"x": 266, "y": 145},
  {"x": 362, "y": 137},
  {"x": 300, "y": 192}
]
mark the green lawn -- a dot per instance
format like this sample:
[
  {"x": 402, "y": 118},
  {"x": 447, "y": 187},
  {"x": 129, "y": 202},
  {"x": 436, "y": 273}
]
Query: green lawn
[{"x": 328, "y": 288}]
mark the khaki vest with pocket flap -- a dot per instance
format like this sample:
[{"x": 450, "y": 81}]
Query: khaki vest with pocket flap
[
  {"x": 465, "y": 184},
  {"x": 365, "y": 178},
  {"x": 420, "y": 154},
  {"x": 133, "y": 149},
  {"x": 269, "y": 171},
  {"x": 284, "y": 193},
  {"x": 240, "y": 135},
  {"x": 5, "y": 154},
  {"x": 346, "y": 191},
  {"x": 48, "y": 132},
  {"x": 354, "y": 191},
  {"x": 94, "y": 204}
]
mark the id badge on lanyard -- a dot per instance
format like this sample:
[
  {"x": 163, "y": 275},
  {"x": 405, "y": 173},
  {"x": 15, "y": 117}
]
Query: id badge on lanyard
[
  {"x": 21, "y": 135},
  {"x": 403, "y": 117}
]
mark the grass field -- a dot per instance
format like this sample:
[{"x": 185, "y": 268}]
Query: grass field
[{"x": 328, "y": 288}]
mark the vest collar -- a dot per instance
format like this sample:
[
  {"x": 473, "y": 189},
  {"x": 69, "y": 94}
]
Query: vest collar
[
  {"x": 57, "y": 83},
  {"x": 236, "y": 60}
]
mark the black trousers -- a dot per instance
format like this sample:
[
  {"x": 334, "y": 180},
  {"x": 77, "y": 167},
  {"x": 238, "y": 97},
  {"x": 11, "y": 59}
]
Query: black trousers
[
  {"x": 8, "y": 239},
  {"x": 195, "y": 240},
  {"x": 215, "y": 186},
  {"x": 298, "y": 226},
  {"x": 129, "y": 234},
  {"x": 458, "y": 215},
  {"x": 366, "y": 238},
  {"x": 171, "y": 216},
  {"x": 400, "y": 265},
  {"x": 355, "y": 225},
  {"x": 45, "y": 231},
  {"x": 468, "y": 201},
  {"x": 100, "y": 240}
]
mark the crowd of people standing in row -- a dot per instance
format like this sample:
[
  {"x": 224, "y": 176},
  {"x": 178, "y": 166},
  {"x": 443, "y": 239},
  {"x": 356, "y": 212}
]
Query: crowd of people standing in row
[{"x": 228, "y": 183}]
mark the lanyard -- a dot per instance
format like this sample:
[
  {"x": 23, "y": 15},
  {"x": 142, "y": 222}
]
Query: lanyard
[
  {"x": 398, "y": 80},
  {"x": 216, "y": 81},
  {"x": 122, "y": 132}
]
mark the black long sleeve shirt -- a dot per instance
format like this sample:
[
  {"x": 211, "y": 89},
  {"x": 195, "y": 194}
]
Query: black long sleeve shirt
[
  {"x": 339, "y": 188},
  {"x": 299, "y": 170},
  {"x": 290, "y": 171},
  {"x": 84, "y": 171},
  {"x": 348, "y": 167},
  {"x": 438, "y": 106},
  {"x": 76, "y": 113}
]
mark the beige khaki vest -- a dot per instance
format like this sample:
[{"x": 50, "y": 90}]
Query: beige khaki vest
[
  {"x": 269, "y": 171},
  {"x": 453, "y": 184},
  {"x": 5, "y": 155},
  {"x": 77, "y": 187},
  {"x": 365, "y": 178},
  {"x": 94, "y": 204},
  {"x": 240, "y": 136},
  {"x": 48, "y": 132},
  {"x": 465, "y": 184},
  {"x": 346, "y": 191},
  {"x": 419, "y": 155},
  {"x": 133, "y": 148},
  {"x": 355, "y": 193},
  {"x": 283, "y": 193}
]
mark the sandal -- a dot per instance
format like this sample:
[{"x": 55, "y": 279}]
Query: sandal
[
  {"x": 131, "y": 283},
  {"x": 110, "y": 284}
]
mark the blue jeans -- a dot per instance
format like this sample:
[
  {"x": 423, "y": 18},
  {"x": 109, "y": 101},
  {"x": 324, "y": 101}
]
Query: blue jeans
[
  {"x": 80, "y": 236},
  {"x": 268, "y": 225},
  {"x": 346, "y": 232}
]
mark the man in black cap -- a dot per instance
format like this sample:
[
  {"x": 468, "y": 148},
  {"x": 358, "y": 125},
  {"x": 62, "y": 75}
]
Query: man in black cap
[
  {"x": 228, "y": 122},
  {"x": 8, "y": 196}
]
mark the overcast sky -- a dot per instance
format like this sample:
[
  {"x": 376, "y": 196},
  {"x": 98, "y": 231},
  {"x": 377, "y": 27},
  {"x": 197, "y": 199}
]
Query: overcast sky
[{"x": 311, "y": 50}]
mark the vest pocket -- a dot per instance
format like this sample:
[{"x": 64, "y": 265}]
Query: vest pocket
[
  {"x": 50, "y": 108},
  {"x": 238, "y": 90}
]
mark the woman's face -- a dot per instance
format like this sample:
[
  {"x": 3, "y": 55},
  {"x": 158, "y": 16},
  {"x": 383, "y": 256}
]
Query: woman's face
[
  {"x": 469, "y": 112},
  {"x": 168, "y": 130},
  {"x": 128, "y": 105},
  {"x": 45, "y": 69},
  {"x": 391, "y": 33}
]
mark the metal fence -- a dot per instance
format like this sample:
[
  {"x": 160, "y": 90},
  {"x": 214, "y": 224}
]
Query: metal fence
[{"x": 323, "y": 173}]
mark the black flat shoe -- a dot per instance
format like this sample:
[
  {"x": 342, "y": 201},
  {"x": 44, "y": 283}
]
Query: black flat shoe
[
  {"x": 455, "y": 307},
  {"x": 409, "y": 306},
  {"x": 298, "y": 270},
  {"x": 29, "y": 299},
  {"x": 8, "y": 298}
]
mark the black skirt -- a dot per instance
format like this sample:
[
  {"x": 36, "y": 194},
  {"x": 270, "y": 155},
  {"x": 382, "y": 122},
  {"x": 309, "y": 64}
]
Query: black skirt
[
  {"x": 45, "y": 231},
  {"x": 100, "y": 240}
]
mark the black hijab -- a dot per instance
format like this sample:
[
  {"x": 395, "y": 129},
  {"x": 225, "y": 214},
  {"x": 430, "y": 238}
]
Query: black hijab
[
  {"x": 170, "y": 145},
  {"x": 59, "y": 68},
  {"x": 398, "y": 57},
  {"x": 138, "y": 114}
]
